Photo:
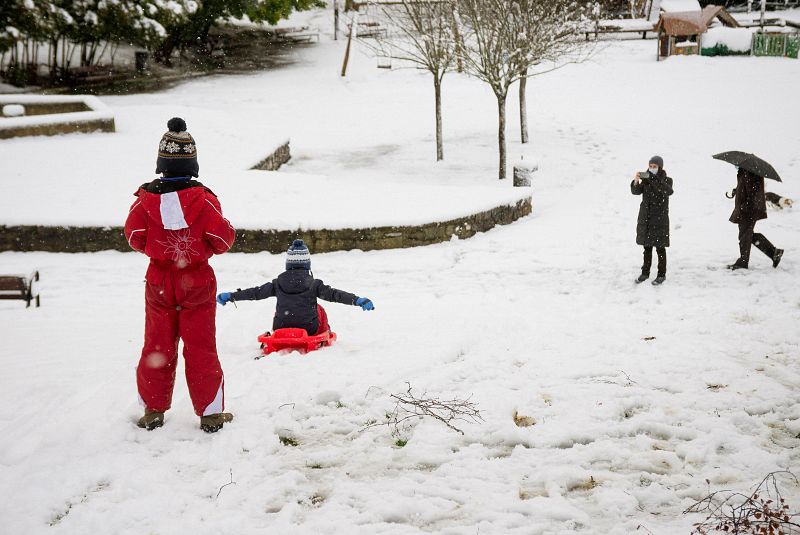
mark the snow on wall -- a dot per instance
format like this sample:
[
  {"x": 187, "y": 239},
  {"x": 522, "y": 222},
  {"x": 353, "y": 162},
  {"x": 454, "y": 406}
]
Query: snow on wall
[{"x": 99, "y": 111}]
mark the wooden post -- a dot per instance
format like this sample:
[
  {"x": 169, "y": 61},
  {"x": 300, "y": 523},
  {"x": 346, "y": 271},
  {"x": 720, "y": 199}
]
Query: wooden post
[
  {"x": 353, "y": 26},
  {"x": 335, "y": 20},
  {"x": 658, "y": 46},
  {"x": 523, "y": 107}
]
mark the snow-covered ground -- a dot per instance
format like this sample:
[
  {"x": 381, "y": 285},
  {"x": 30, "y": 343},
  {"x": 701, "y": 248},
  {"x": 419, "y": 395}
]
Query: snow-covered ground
[{"x": 540, "y": 317}]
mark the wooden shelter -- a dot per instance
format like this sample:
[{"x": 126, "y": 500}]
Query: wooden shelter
[{"x": 680, "y": 33}]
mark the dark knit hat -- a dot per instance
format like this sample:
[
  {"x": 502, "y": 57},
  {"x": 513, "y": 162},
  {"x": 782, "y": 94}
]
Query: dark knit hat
[
  {"x": 658, "y": 160},
  {"x": 298, "y": 256},
  {"x": 177, "y": 152}
]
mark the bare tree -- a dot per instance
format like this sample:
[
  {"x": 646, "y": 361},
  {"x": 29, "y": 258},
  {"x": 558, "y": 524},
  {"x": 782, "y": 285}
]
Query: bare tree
[
  {"x": 423, "y": 34},
  {"x": 508, "y": 37},
  {"x": 551, "y": 29}
]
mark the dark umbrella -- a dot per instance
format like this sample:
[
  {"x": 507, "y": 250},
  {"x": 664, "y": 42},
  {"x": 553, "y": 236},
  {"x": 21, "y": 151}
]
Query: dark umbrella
[{"x": 749, "y": 162}]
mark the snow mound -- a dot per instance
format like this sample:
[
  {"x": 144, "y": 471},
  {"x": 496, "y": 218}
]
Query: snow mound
[{"x": 735, "y": 39}]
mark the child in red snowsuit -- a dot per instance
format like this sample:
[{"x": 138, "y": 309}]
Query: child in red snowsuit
[
  {"x": 178, "y": 223},
  {"x": 297, "y": 291}
]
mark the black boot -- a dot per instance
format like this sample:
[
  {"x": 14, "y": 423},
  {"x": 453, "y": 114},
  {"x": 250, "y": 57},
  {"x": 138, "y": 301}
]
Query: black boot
[
  {"x": 777, "y": 258},
  {"x": 659, "y": 280},
  {"x": 643, "y": 277},
  {"x": 739, "y": 264}
]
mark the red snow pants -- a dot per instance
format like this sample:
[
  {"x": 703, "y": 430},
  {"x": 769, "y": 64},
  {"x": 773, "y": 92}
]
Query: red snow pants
[
  {"x": 323, "y": 320},
  {"x": 180, "y": 304}
]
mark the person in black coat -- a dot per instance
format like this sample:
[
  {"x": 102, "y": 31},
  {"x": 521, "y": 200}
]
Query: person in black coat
[
  {"x": 750, "y": 206},
  {"x": 652, "y": 229},
  {"x": 297, "y": 291}
]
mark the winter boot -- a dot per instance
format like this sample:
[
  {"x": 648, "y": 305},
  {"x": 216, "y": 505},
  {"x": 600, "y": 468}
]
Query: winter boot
[
  {"x": 643, "y": 277},
  {"x": 213, "y": 422},
  {"x": 777, "y": 258},
  {"x": 739, "y": 264},
  {"x": 659, "y": 280},
  {"x": 151, "y": 420}
]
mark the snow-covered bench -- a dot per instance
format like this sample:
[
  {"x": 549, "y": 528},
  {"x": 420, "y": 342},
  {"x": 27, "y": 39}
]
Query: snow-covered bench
[
  {"x": 619, "y": 26},
  {"x": 19, "y": 288},
  {"x": 295, "y": 33}
]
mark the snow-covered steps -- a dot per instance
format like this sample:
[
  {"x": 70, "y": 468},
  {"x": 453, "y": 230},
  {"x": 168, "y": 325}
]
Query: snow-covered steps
[{"x": 50, "y": 115}]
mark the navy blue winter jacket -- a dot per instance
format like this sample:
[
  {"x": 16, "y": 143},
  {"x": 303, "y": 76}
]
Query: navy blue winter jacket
[{"x": 297, "y": 292}]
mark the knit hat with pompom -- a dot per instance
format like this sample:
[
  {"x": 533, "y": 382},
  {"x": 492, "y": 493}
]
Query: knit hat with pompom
[
  {"x": 177, "y": 151},
  {"x": 298, "y": 256}
]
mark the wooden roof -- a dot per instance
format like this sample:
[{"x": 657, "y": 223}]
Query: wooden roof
[{"x": 686, "y": 23}]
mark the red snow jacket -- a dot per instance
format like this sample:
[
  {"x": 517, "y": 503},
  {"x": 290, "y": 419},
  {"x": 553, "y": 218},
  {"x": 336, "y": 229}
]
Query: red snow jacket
[{"x": 178, "y": 224}]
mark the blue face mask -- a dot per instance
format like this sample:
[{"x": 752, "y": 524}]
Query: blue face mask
[{"x": 653, "y": 170}]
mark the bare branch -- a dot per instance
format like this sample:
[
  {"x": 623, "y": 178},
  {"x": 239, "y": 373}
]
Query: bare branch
[
  {"x": 232, "y": 482},
  {"x": 764, "y": 510},
  {"x": 409, "y": 406}
]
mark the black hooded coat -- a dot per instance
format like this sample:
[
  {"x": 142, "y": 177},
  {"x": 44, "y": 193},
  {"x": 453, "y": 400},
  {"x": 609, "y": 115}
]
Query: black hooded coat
[{"x": 652, "y": 229}]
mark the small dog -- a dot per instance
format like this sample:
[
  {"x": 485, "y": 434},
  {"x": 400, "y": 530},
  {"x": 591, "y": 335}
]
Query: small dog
[{"x": 777, "y": 202}]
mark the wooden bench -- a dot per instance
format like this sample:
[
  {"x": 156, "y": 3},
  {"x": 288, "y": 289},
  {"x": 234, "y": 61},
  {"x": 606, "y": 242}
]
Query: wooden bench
[
  {"x": 370, "y": 29},
  {"x": 610, "y": 27},
  {"x": 296, "y": 34},
  {"x": 16, "y": 287}
]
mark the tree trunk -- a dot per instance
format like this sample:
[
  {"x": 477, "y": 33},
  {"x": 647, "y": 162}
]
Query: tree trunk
[
  {"x": 501, "y": 134},
  {"x": 54, "y": 61},
  {"x": 523, "y": 107},
  {"x": 437, "y": 85},
  {"x": 163, "y": 52}
]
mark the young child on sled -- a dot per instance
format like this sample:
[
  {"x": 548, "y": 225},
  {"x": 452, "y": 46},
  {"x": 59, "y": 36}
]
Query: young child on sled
[{"x": 297, "y": 291}]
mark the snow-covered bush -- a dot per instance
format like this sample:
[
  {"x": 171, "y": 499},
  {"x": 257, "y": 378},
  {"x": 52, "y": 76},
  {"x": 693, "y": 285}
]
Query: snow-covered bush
[{"x": 722, "y": 41}]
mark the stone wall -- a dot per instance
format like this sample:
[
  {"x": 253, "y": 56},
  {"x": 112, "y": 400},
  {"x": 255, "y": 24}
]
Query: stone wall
[
  {"x": 274, "y": 161},
  {"x": 91, "y": 239}
]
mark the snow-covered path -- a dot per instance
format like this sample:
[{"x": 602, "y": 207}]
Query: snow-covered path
[{"x": 541, "y": 317}]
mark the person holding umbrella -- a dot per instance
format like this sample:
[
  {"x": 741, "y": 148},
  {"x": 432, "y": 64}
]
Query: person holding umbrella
[
  {"x": 750, "y": 205},
  {"x": 652, "y": 228}
]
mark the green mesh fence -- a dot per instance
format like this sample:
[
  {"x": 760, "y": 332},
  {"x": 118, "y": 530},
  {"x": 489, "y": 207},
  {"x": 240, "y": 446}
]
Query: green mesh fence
[{"x": 776, "y": 44}]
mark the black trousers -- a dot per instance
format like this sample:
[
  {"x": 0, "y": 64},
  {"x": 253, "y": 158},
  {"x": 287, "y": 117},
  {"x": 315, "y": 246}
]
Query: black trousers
[
  {"x": 648, "y": 260},
  {"x": 748, "y": 237}
]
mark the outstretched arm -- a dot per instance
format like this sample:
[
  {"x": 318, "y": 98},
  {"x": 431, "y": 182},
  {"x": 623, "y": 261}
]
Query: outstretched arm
[
  {"x": 332, "y": 294},
  {"x": 255, "y": 294}
]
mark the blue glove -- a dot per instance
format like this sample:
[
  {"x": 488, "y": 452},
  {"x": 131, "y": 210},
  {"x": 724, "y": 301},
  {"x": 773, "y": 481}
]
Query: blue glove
[
  {"x": 223, "y": 298},
  {"x": 365, "y": 303}
]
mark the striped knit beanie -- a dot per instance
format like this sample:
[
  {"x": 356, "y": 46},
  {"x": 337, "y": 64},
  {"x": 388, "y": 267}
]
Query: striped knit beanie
[
  {"x": 177, "y": 152},
  {"x": 298, "y": 256}
]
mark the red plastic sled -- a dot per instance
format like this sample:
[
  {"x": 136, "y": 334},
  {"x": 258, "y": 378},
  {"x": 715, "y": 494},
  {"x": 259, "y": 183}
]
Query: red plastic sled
[{"x": 295, "y": 340}]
